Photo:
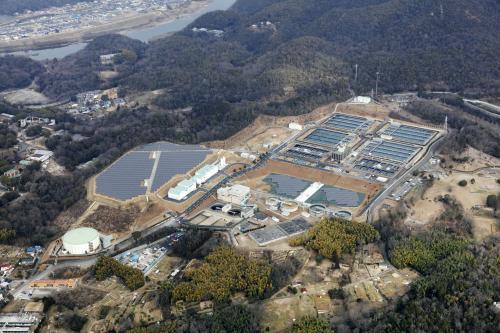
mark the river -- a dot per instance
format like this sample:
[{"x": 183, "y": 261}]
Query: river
[{"x": 143, "y": 34}]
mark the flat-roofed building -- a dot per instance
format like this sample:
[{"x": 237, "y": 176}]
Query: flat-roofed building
[
  {"x": 182, "y": 190},
  {"x": 236, "y": 194},
  {"x": 18, "y": 322},
  {"x": 205, "y": 173}
]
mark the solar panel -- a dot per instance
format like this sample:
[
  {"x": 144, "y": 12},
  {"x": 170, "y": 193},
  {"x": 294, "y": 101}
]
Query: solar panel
[
  {"x": 124, "y": 179},
  {"x": 276, "y": 232},
  {"x": 329, "y": 195},
  {"x": 294, "y": 227},
  {"x": 174, "y": 163},
  {"x": 267, "y": 235},
  {"x": 286, "y": 186}
]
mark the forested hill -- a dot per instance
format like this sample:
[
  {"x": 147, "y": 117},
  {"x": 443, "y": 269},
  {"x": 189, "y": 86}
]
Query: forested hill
[
  {"x": 433, "y": 44},
  {"x": 308, "y": 51},
  {"x": 9, "y": 7}
]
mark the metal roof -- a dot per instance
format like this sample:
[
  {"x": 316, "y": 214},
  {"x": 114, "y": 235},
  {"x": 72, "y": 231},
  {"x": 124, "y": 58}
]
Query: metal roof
[{"x": 80, "y": 236}]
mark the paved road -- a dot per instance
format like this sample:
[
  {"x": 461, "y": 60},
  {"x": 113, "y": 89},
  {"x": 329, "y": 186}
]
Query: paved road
[
  {"x": 431, "y": 151},
  {"x": 23, "y": 291}
]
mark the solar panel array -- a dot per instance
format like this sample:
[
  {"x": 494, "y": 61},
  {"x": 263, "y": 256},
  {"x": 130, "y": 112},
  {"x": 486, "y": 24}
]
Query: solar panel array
[
  {"x": 390, "y": 150},
  {"x": 330, "y": 195},
  {"x": 276, "y": 232},
  {"x": 376, "y": 167},
  {"x": 294, "y": 227},
  {"x": 306, "y": 151},
  {"x": 348, "y": 123},
  {"x": 164, "y": 146},
  {"x": 286, "y": 186},
  {"x": 125, "y": 178},
  {"x": 326, "y": 137},
  {"x": 410, "y": 134},
  {"x": 174, "y": 163}
]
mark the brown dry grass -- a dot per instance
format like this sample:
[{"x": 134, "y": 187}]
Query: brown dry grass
[
  {"x": 370, "y": 110},
  {"x": 477, "y": 159},
  {"x": 112, "y": 220},
  {"x": 264, "y": 122},
  {"x": 71, "y": 215},
  {"x": 469, "y": 196}
]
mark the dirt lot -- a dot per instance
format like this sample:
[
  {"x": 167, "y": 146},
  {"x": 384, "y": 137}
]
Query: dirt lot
[
  {"x": 272, "y": 136},
  {"x": 469, "y": 196},
  {"x": 25, "y": 97},
  {"x": 477, "y": 159},
  {"x": 10, "y": 254},
  {"x": 280, "y": 313},
  {"x": 112, "y": 220},
  {"x": 256, "y": 131},
  {"x": 254, "y": 178},
  {"x": 164, "y": 268},
  {"x": 371, "y": 110},
  {"x": 70, "y": 216}
]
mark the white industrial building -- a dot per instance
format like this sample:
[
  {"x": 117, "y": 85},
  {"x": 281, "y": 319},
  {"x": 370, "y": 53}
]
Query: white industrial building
[
  {"x": 360, "y": 100},
  {"x": 236, "y": 194},
  {"x": 182, "y": 190},
  {"x": 205, "y": 173},
  {"x": 295, "y": 126},
  {"x": 81, "y": 241},
  {"x": 187, "y": 186}
]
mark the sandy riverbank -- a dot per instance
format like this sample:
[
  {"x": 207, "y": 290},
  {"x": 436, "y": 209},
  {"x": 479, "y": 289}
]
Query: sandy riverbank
[{"x": 124, "y": 23}]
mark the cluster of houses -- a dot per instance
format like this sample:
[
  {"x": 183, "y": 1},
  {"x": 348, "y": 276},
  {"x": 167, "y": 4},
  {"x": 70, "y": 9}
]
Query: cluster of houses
[
  {"x": 94, "y": 101},
  {"x": 7, "y": 268}
]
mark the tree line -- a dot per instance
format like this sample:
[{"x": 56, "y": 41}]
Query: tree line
[{"x": 107, "y": 267}]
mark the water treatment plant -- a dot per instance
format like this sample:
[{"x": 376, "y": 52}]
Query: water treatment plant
[{"x": 332, "y": 167}]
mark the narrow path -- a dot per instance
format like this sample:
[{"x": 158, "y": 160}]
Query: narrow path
[
  {"x": 153, "y": 171},
  {"x": 492, "y": 168}
]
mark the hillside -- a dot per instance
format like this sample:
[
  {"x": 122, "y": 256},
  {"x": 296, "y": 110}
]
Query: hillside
[{"x": 415, "y": 45}]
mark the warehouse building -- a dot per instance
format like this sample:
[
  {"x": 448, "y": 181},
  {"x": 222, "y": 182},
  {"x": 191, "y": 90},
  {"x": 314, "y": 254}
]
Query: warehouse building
[
  {"x": 182, "y": 190},
  {"x": 81, "y": 241},
  {"x": 18, "y": 322},
  {"x": 205, "y": 173}
]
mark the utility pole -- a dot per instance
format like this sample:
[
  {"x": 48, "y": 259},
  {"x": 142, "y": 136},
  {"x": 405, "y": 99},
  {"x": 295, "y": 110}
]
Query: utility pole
[
  {"x": 376, "y": 83},
  {"x": 356, "y": 73}
]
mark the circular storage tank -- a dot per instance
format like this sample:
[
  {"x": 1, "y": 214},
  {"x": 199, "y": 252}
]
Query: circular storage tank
[
  {"x": 81, "y": 241},
  {"x": 317, "y": 210},
  {"x": 344, "y": 214},
  {"x": 273, "y": 202},
  {"x": 289, "y": 207}
]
